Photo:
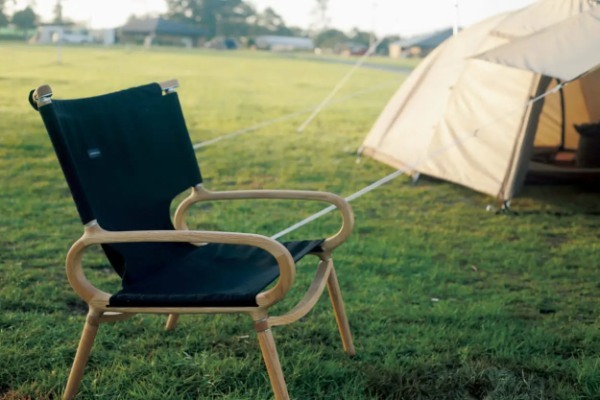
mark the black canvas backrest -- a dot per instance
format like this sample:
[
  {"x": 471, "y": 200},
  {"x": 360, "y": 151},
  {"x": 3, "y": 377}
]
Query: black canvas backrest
[{"x": 125, "y": 156}]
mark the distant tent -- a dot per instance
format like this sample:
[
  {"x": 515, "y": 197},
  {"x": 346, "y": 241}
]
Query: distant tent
[
  {"x": 469, "y": 121},
  {"x": 419, "y": 45}
]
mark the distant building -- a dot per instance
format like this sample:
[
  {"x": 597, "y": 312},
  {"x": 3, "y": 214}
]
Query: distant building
[
  {"x": 418, "y": 46},
  {"x": 106, "y": 37},
  {"x": 160, "y": 31},
  {"x": 69, "y": 34},
  {"x": 284, "y": 43}
]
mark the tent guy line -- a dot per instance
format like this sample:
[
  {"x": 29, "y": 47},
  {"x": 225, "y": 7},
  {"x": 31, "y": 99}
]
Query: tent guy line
[
  {"x": 353, "y": 196},
  {"x": 339, "y": 85},
  {"x": 399, "y": 172},
  {"x": 344, "y": 79},
  {"x": 285, "y": 117}
]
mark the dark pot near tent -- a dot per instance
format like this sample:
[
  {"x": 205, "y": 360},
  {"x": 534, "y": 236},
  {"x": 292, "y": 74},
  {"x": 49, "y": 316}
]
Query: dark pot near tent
[{"x": 588, "y": 151}]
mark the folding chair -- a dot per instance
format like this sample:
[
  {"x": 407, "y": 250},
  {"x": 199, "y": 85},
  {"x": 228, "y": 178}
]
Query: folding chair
[{"x": 125, "y": 156}]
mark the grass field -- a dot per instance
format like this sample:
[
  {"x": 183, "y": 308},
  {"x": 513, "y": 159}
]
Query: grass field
[{"x": 445, "y": 300}]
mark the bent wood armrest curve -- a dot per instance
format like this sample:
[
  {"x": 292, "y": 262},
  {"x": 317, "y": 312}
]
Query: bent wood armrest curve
[
  {"x": 199, "y": 194},
  {"x": 94, "y": 234},
  {"x": 311, "y": 296}
]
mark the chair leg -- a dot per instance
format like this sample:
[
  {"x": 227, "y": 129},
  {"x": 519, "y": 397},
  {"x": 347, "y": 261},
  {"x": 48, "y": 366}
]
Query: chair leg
[
  {"x": 269, "y": 352},
  {"x": 335, "y": 294},
  {"x": 171, "y": 322},
  {"x": 83, "y": 351}
]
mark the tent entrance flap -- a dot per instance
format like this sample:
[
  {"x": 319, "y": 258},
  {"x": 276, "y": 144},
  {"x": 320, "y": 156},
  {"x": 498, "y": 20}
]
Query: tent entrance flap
[{"x": 557, "y": 148}]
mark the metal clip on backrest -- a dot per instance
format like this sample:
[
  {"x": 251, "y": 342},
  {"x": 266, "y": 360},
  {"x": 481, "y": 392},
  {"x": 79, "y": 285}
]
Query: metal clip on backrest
[
  {"x": 169, "y": 86},
  {"x": 40, "y": 96}
]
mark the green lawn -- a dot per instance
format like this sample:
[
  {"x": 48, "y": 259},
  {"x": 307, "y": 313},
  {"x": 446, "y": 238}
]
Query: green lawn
[{"x": 445, "y": 300}]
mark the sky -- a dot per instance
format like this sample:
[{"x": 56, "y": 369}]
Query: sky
[{"x": 385, "y": 17}]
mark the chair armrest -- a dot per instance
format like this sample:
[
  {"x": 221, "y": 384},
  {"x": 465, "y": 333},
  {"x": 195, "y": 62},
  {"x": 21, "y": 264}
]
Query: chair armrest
[
  {"x": 94, "y": 234},
  {"x": 200, "y": 194}
]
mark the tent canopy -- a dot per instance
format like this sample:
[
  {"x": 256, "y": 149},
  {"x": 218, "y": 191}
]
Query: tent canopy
[
  {"x": 569, "y": 39},
  {"x": 469, "y": 121}
]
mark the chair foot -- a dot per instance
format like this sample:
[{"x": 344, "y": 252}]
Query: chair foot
[
  {"x": 269, "y": 352},
  {"x": 335, "y": 294},
  {"x": 171, "y": 322},
  {"x": 83, "y": 351}
]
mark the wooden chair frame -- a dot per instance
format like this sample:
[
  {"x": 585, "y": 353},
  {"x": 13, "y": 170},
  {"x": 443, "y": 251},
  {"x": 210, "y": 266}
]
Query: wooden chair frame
[{"x": 98, "y": 300}]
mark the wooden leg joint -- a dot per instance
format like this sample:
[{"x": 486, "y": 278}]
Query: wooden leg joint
[
  {"x": 93, "y": 319},
  {"x": 261, "y": 325}
]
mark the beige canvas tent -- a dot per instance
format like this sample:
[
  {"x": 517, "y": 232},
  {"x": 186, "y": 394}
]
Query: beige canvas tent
[{"x": 483, "y": 125}]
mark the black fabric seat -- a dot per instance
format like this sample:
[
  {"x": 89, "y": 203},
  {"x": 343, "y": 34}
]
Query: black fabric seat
[
  {"x": 116, "y": 150},
  {"x": 212, "y": 275}
]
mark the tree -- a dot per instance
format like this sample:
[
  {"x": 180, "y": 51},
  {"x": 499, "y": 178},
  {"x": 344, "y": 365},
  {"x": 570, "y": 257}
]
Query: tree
[
  {"x": 271, "y": 22},
  {"x": 216, "y": 17},
  {"x": 236, "y": 21},
  {"x": 330, "y": 38},
  {"x": 320, "y": 15},
  {"x": 2, "y": 4},
  {"x": 360, "y": 37},
  {"x": 3, "y": 17},
  {"x": 25, "y": 19},
  {"x": 58, "y": 12},
  {"x": 297, "y": 31}
]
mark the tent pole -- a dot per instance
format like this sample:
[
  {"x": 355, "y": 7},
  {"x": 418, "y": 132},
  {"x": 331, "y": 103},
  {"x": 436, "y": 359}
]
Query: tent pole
[
  {"x": 562, "y": 117},
  {"x": 456, "y": 17}
]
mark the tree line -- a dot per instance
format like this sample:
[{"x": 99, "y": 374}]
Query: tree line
[
  {"x": 238, "y": 18},
  {"x": 229, "y": 18}
]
